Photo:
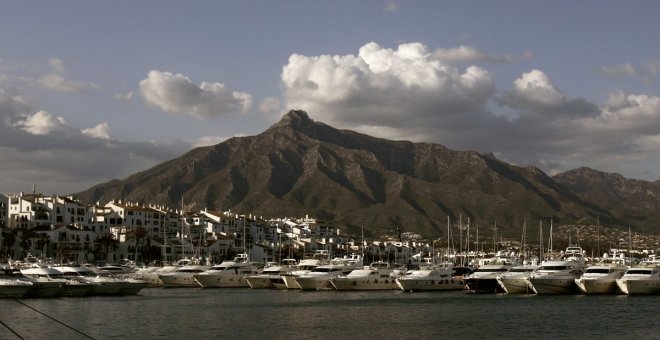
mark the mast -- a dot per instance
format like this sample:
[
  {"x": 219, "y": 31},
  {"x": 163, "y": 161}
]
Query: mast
[
  {"x": 448, "y": 231},
  {"x": 630, "y": 245},
  {"x": 183, "y": 222},
  {"x": 550, "y": 240},
  {"x": 598, "y": 234},
  {"x": 468, "y": 239},
  {"x": 495, "y": 239},
  {"x": 541, "y": 240},
  {"x": 460, "y": 236}
]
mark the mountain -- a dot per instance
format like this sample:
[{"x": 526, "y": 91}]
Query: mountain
[
  {"x": 634, "y": 201},
  {"x": 302, "y": 167}
]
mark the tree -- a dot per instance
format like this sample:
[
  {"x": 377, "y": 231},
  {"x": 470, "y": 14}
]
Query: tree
[
  {"x": 25, "y": 246},
  {"x": 138, "y": 234},
  {"x": 8, "y": 241},
  {"x": 42, "y": 243},
  {"x": 106, "y": 241}
]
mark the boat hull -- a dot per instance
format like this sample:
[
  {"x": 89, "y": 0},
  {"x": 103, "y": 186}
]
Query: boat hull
[
  {"x": 482, "y": 286},
  {"x": 425, "y": 284},
  {"x": 639, "y": 287},
  {"x": 519, "y": 285},
  {"x": 314, "y": 283},
  {"x": 221, "y": 281},
  {"x": 548, "y": 285},
  {"x": 596, "y": 286},
  {"x": 344, "y": 283}
]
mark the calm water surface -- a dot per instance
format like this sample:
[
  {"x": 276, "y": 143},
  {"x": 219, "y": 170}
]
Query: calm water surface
[{"x": 245, "y": 313}]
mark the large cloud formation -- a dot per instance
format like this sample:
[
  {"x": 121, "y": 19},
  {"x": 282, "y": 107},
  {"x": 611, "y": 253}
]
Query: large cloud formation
[
  {"x": 175, "y": 93},
  {"x": 418, "y": 94}
]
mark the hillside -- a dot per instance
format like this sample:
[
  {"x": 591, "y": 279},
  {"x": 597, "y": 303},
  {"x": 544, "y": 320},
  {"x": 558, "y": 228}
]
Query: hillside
[{"x": 300, "y": 166}]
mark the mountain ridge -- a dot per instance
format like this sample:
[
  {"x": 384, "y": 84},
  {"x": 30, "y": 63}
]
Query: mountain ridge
[{"x": 299, "y": 167}]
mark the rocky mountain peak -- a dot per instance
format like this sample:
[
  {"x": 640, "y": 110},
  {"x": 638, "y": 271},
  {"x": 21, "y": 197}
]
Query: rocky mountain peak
[{"x": 297, "y": 120}]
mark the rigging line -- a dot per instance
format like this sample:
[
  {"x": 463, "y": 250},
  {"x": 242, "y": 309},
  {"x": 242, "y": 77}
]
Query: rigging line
[
  {"x": 58, "y": 321},
  {"x": 13, "y": 331}
]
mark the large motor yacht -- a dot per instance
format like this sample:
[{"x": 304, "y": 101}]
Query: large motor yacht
[
  {"x": 600, "y": 279},
  {"x": 640, "y": 280},
  {"x": 429, "y": 278},
  {"x": 319, "y": 278},
  {"x": 516, "y": 280},
  {"x": 377, "y": 276},
  {"x": 558, "y": 276},
  {"x": 228, "y": 274}
]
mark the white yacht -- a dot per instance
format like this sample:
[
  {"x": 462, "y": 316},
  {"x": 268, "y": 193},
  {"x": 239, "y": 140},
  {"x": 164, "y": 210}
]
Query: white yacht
[
  {"x": 484, "y": 278},
  {"x": 303, "y": 267},
  {"x": 558, "y": 276},
  {"x": 101, "y": 285},
  {"x": 68, "y": 287},
  {"x": 600, "y": 279},
  {"x": 432, "y": 278},
  {"x": 13, "y": 289},
  {"x": 271, "y": 276},
  {"x": 319, "y": 277},
  {"x": 228, "y": 274},
  {"x": 377, "y": 276},
  {"x": 42, "y": 286},
  {"x": 182, "y": 277},
  {"x": 516, "y": 280},
  {"x": 640, "y": 280}
]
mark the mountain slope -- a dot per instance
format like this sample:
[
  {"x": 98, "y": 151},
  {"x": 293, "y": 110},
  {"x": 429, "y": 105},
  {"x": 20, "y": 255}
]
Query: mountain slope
[
  {"x": 635, "y": 201},
  {"x": 299, "y": 166}
]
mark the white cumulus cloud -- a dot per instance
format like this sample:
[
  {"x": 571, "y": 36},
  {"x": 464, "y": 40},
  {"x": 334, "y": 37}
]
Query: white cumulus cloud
[
  {"x": 176, "y": 93},
  {"x": 399, "y": 88},
  {"x": 101, "y": 131},
  {"x": 42, "y": 123}
]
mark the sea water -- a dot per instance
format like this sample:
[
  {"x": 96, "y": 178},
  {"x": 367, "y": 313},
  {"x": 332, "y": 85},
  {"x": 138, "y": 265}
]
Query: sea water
[{"x": 195, "y": 313}]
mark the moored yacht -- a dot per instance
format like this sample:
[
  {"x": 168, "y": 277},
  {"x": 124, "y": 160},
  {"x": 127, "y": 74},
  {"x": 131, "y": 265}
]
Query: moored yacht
[
  {"x": 68, "y": 287},
  {"x": 640, "y": 280},
  {"x": 377, "y": 276},
  {"x": 42, "y": 285},
  {"x": 430, "y": 278},
  {"x": 319, "y": 277},
  {"x": 600, "y": 279},
  {"x": 271, "y": 276},
  {"x": 12, "y": 288},
  {"x": 182, "y": 277},
  {"x": 101, "y": 285},
  {"x": 558, "y": 276},
  {"x": 484, "y": 278},
  {"x": 304, "y": 267},
  {"x": 516, "y": 280},
  {"x": 228, "y": 274}
]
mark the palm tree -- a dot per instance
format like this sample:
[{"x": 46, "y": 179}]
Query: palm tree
[
  {"x": 42, "y": 242},
  {"x": 107, "y": 240},
  {"x": 139, "y": 233},
  {"x": 8, "y": 241}
]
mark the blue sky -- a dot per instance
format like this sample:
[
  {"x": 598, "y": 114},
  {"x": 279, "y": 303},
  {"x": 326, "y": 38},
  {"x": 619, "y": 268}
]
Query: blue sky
[{"x": 96, "y": 90}]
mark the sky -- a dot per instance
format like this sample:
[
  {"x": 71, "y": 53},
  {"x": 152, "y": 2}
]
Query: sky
[{"x": 92, "y": 91}]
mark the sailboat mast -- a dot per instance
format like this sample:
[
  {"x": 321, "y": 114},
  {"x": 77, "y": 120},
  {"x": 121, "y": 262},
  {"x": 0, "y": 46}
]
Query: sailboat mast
[
  {"x": 183, "y": 222},
  {"x": 541, "y": 240},
  {"x": 448, "y": 231},
  {"x": 598, "y": 234}
]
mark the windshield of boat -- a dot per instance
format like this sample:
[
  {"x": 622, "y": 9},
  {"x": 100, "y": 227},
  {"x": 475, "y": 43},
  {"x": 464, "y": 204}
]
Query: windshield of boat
[
  {"x": 598, "y": 271},
  {"x": 503, "y": 269},
  {"x": 554, "y": 268},
  {"x": 639, "y": 271}
]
